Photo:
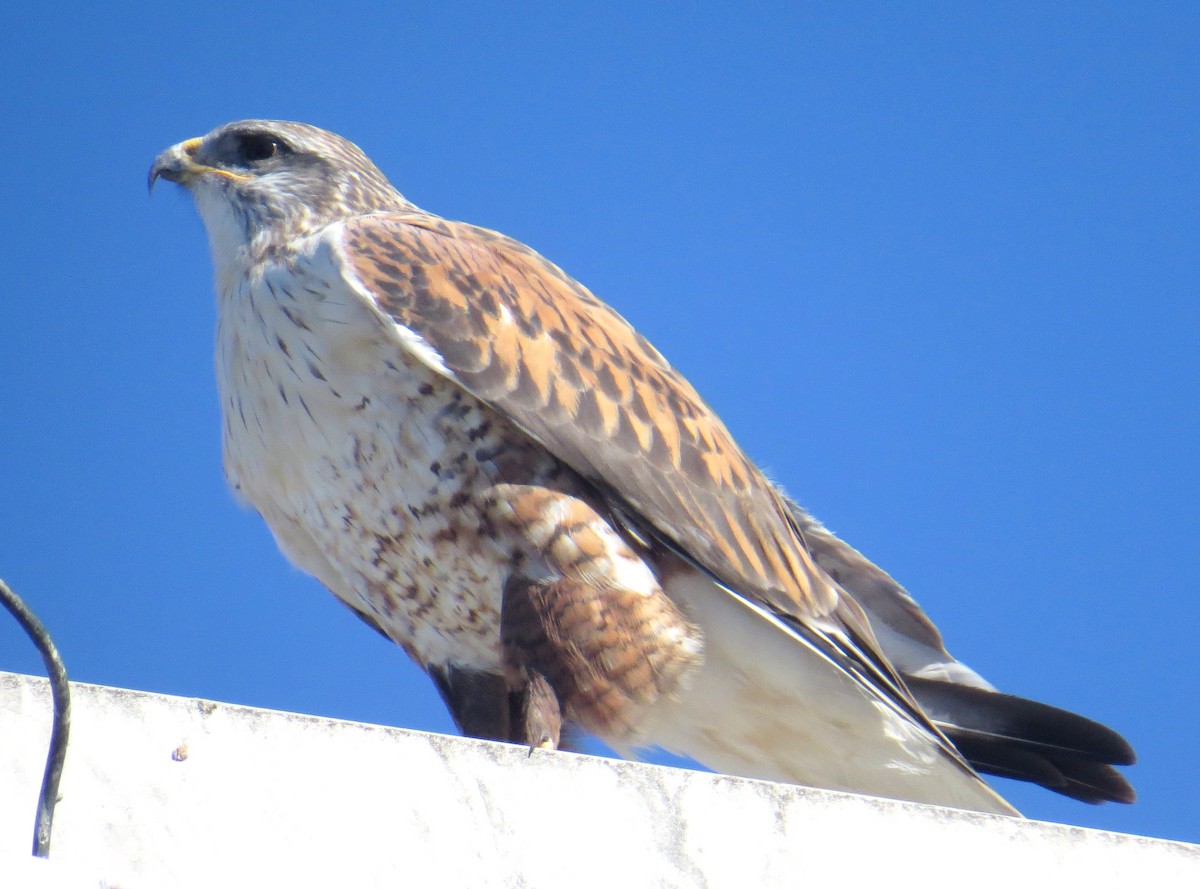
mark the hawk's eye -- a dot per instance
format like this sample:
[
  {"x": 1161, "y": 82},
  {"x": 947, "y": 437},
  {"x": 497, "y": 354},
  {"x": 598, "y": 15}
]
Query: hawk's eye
[{"x": 258, "y": 147}]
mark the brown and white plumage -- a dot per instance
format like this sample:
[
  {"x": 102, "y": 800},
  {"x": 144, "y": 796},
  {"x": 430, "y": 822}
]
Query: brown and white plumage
[{"x": 494, "y": 469}]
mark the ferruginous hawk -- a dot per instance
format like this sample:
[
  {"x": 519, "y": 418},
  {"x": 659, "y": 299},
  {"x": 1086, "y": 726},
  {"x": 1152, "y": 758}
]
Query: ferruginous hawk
[{"x": 496, "y": 471}]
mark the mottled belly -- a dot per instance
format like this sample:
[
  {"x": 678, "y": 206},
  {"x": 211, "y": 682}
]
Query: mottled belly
[{"x": 371, "y": 471}]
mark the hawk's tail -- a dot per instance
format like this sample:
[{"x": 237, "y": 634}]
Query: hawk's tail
[{"x": 1001, "y": 734}]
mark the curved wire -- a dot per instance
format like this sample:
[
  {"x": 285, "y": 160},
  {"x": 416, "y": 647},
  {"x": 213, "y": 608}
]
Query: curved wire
[{"x": 61, "y": 727}]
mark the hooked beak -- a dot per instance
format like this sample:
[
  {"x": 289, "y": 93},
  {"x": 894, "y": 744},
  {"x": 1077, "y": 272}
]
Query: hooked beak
[{"x": 178, "y": 164}]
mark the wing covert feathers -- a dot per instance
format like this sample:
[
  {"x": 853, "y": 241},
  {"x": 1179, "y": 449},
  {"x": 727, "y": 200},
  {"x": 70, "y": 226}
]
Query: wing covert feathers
[{"x": 519, "y": 334}]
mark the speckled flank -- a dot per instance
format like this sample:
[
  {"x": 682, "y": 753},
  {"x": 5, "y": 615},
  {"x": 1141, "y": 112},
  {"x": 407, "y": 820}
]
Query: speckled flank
[
  {"x": 365, "y": 464},
  {"x": 587, "y": 612}
]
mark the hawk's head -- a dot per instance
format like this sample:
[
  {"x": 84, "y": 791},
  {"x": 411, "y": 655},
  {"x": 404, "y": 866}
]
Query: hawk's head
[{"x": 263, "y": 182}]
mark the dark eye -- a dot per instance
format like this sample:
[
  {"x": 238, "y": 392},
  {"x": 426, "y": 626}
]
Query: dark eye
[{"x": 255, "y": 147}]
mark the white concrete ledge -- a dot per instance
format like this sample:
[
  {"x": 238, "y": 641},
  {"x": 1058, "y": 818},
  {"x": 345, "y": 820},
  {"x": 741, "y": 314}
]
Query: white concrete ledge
[{"x": 171, "y": 792}]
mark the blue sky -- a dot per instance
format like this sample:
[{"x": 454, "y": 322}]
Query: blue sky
[{"x": 935, "y": 264}]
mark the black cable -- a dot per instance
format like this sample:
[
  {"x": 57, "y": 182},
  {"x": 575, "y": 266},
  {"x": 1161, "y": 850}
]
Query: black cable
[{"x": 62, "y": 716}]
